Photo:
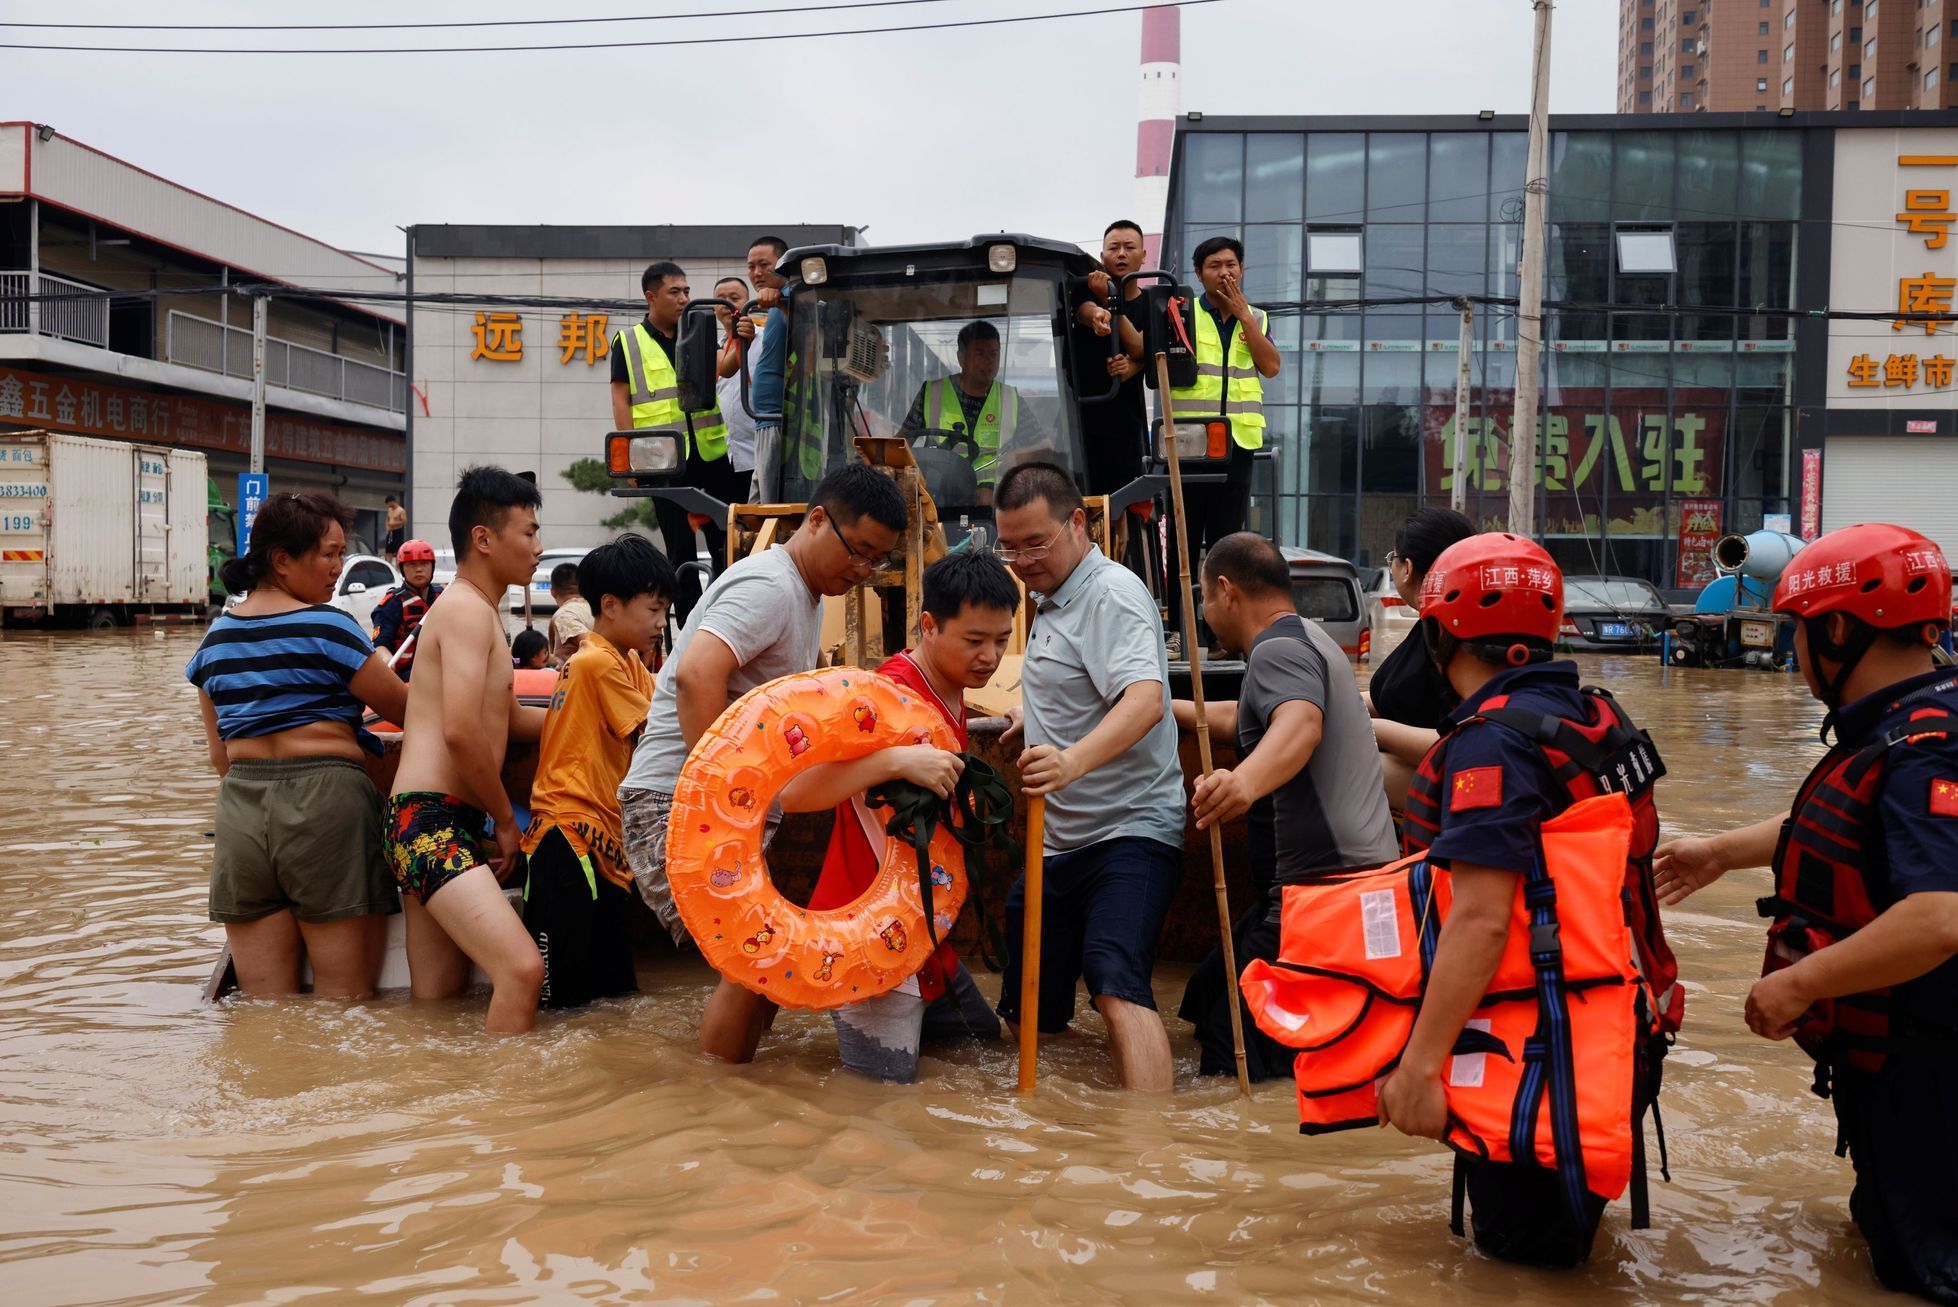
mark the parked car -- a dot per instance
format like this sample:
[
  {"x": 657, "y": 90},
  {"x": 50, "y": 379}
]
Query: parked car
[
  {"x": 1326, "y": 590},
  {"x": 541, "y": 603},
  {"x": 1389, "y": 609},
  {"x": 365, "y": 580},
  {"x": 445, "y": 566},
  {"x": 1612, "y": 613}
]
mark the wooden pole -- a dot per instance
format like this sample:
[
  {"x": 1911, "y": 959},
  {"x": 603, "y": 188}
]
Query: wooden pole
[
  {"x": 1030, "y": 944},
  {"x": 1195, "y": 653}
]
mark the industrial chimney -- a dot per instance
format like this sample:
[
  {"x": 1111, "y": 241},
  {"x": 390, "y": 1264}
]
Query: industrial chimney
[{"x": 1155, "y": 128}]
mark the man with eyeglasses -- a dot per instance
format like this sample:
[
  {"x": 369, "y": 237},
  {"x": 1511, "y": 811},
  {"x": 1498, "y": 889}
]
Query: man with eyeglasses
[
  {"x": 1101, "y": 749},
  {"x": 761, "y": 619}
]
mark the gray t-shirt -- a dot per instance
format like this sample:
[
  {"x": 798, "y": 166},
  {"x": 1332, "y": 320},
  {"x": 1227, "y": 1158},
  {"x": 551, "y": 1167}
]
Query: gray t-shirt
[
  {"x": 1333, "y": 813},
  {"x": 1099, "y": 633},
  {"x": 761, "y": 609}
]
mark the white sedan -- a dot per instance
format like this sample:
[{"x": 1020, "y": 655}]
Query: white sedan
[{"x": 365, "y": 580}]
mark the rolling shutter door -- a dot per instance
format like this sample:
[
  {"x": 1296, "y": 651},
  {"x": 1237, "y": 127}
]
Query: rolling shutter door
[{"x": 1908, "y": 481}]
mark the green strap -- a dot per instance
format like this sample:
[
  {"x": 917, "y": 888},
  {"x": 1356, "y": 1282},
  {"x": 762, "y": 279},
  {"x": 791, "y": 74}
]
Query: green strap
[{"x": 976, "y": 813}]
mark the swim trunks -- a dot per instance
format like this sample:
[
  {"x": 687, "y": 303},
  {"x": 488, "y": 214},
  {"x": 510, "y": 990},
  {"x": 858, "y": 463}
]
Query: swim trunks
[{"x": 432, "y": 839}]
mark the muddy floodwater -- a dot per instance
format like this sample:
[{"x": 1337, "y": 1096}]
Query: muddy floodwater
[{"x": 156, "y": 1149}]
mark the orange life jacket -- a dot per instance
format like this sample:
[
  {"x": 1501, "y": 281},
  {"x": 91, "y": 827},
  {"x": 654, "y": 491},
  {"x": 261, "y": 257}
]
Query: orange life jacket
[
  {"x": 1354, "y": 955},
  {"x": 1604, "y": 753}
]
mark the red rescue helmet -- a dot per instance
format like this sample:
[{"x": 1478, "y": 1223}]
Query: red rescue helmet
[
  {"x": 1494, "y": 585},
  {"x": 1885, "y": 576},
  {"x": 415, "y": 551}
]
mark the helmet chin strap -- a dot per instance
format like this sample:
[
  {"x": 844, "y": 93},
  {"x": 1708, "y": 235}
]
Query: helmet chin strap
[{"x": 1846, "y": 655}]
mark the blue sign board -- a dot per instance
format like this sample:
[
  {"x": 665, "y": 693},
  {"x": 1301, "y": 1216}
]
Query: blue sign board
[{"x": 252, "y": 489}]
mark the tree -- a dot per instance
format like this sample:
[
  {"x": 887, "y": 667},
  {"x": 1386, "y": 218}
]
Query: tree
[{"x": 590, "y": 474}]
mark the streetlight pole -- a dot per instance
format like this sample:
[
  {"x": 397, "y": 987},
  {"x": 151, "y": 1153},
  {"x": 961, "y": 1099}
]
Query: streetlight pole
[
  {"x": 1529, "y": 312},
  {"x": 259, "y": 308}
]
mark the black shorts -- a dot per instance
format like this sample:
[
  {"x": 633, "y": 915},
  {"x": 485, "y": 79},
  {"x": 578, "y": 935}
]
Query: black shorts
[
  {"x": 395, "y": 537},
  {"x": 579, "y": 922},
  {"x": 1206, "y": 1002}
]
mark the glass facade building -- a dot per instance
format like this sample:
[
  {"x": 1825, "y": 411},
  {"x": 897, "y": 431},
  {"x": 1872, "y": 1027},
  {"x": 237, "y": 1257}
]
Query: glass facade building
[{"x": 1658, "y": 399}]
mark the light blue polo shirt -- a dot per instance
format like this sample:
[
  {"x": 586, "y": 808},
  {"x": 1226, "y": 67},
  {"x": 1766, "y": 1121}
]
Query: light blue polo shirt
[{"x": 1093, "y": 638}]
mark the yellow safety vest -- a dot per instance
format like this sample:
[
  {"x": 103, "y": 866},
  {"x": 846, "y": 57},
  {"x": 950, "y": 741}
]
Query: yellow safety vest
[
  {"x": 1227, "y": 385},
  {"x": 655, "y": 396},
  {"x": 804, "y": 395},
  {"x": 998, "y": 417}
]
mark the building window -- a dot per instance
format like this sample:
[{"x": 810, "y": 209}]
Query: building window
[
  {"x": 1645, "y": 74},
  {"x": 1760, "y": 56},
  {"x": 1835, "y": 40},
  {"x": 1645, "y": 97},
  {"x": 1645, "y": 49},
  {"x": 1869, "y": 89},
  {"x": 1855, "y": 73},
  {"x": 1931, "y": 80},
  {"x": 1951, "y": 73},
  {"x": 1760, "y": 83},
  {"x": 1788, "y": 19},
  {"x": 1686, "y": 45},
  {"x": 1645, "y": 250},
  {"x": 1787, "y": 87},
  {"x": 1931, "y": 34},
  {"x": 1835, "y": 78},
  {"x": 1334, "y": 252},
  {"x": 1869, "y": 50},
  {"x": 1869, "y": 10},
  {"x": 1835, "y": 7},
  {"x": 1763, "y": 29},
  {"x": 1855, "y": 37},
  {"x": 1686, "y": 99},
  {"x": 1686, "y": 72},
  {"x": 1645, "y": 24},
  {"x": 1689, "y": 18}
]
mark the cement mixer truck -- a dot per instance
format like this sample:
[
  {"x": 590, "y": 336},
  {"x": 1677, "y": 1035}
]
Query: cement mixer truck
[{"x": 1733, "y": 624}]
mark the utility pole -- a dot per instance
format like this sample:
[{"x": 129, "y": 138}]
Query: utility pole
[
  {"x": 1529, "y": 313},
  {"x": 260, "y": 305},
  {"x": 1458, "y": 494}
]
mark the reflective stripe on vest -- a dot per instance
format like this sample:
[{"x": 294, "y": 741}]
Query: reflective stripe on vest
[
  {"x": 998, "y": 417},
  {"x": 1227, "y": 385},
  {"x": 653, "y": 390}
]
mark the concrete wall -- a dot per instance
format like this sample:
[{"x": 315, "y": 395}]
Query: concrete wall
[{"x": 537, "y": 414}]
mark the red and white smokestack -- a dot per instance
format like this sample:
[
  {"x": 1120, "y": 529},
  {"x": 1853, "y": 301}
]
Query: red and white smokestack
[{"x": 1155, "y": 128}]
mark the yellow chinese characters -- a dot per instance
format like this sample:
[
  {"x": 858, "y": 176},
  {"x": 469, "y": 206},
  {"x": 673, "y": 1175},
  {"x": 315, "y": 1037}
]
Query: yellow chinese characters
[
  {"x": 583, "y": 333},
  {"x": 499, "y": 337},
  {"x": 1901, "y": 371}
]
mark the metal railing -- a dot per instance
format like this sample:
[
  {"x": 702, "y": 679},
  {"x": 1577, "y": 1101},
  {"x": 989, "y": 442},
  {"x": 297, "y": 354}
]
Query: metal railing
[
  {"x": 84, "y": 318},
  {"x": 214, "y": 347}
]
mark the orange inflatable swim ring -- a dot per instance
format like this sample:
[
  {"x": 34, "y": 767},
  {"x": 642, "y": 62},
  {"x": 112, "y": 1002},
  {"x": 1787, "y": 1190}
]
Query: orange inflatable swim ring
[{"x": 714, "y": 860}]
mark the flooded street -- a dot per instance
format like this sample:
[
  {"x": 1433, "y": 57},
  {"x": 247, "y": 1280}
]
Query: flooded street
[{"x": 154, "y": 1149}]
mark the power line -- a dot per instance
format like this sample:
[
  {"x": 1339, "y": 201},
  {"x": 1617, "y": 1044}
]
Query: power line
[
  {"x": 614, "y": 45},
  {"x": 480, "y": 22}
]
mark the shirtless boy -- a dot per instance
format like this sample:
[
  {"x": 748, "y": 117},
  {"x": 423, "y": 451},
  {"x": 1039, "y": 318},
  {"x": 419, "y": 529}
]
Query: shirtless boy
[{"x": 461, "y": 715}]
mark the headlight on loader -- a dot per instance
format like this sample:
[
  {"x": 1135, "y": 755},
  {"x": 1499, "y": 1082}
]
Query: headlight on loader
[{"x": 638, "y": 454}]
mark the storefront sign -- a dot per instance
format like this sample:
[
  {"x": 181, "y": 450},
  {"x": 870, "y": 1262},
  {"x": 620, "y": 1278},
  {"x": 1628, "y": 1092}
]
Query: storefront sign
[
  {"x": 1891, "y": 254},
  {"x": 1920, "y": 427},
  {"x": 1811, "y": 493},
  {"x": 90, "y": 408},
  {"x": 1699, "y": 529},
  {"x": 581, "y": 337}
]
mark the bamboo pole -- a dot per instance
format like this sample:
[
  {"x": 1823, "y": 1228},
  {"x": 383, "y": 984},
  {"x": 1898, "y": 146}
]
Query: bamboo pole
[
  {"x": 1195, "y": 653},
  {"x": 1030, "y": 943}
]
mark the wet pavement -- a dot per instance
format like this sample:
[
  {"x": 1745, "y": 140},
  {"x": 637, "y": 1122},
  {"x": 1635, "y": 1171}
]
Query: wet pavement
[{"x": 154, "y": 1149}]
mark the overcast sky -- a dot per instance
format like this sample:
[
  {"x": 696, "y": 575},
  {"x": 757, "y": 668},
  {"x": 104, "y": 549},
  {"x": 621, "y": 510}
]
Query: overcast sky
[{"x": 919, "y": 136}]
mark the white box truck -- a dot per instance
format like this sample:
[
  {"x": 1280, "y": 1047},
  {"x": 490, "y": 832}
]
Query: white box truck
[{"x": 101, "y": 532}]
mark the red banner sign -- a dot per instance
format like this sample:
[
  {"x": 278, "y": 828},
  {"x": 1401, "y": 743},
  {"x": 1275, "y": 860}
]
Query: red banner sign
[
  {"x": 1699, "y": 529},
  {"x": 91, "y": 408},
  {"x": 1811, "y": 493}
]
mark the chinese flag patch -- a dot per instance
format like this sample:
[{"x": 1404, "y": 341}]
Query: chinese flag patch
[
  {"x": 1481, "y": 787},
  {"x": 1944, "y": 798}
]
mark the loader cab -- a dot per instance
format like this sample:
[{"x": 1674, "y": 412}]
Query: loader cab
[{"x": 963, "y": 350}]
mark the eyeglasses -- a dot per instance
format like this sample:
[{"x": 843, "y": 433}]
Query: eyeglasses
[
  {"x": 862, "y": 562},
  {"x": 1031, "y": 554},
  {"x": 1393, "y": 558}
]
